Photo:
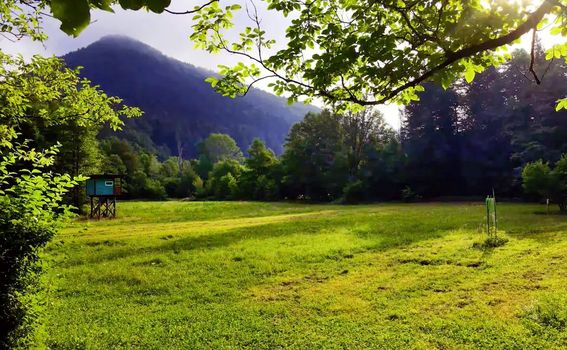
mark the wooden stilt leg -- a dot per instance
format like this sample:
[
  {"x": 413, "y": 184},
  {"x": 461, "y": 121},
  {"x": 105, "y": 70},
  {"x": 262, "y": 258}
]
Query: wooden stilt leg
[{"x": 102, "y": 207}]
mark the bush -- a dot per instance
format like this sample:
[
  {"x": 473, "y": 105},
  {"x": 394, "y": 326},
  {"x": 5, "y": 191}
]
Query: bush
[
  {"x": 408, "y": 195},
  {"x": 172, "y": 187},
  {"x": 29, "y": 212},
  {"x": 539, "y": 178},
  {"x": 491, "y": 242},
  {"x": 226, "y": 188},
  {"x": 223, "y": 179},
  {"x": 354, "y": 192},
  {"x": 266, "y": 189},
  {"x": 200, "y": 190},
  {"x": 143, "y": 186},
  {"x": 153, "y": 189}
]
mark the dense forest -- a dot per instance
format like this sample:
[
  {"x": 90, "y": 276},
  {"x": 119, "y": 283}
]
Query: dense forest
[{"x": 462, "y": 141}]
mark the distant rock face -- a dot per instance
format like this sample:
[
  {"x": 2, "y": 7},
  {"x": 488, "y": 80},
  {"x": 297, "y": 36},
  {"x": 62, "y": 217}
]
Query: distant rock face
[{"x": 180, "y": 108}]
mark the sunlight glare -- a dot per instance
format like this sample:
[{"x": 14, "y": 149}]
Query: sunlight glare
[{"x": 546, "y": 39}]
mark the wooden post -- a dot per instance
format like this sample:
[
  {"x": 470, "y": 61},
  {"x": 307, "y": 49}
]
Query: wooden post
[{"x": 547, "y": 206}]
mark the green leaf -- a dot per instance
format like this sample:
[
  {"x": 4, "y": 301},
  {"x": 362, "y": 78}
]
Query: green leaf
[
  {"x": 73, "y": 14},
  {"x": 157, "y": 6},
  {"x": 103, "y": 5},
  {"x": 469, "y": 75},
  {"x": 131, "y": 4},
  {"x": 555, "y": 30},
  {"x": 212, "y": 80},
  {"x": 561, "y": 104}
]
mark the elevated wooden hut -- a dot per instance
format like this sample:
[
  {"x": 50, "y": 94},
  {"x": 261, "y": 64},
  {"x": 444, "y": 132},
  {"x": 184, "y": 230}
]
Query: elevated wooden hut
[{"x": 102, "y": 190}]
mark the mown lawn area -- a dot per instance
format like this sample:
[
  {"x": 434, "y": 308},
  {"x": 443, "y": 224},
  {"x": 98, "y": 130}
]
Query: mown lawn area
[{"x": 231, "y": 275}]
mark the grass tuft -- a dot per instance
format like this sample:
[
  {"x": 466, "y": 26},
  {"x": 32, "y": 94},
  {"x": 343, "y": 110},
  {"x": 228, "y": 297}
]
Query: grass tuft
[
  {"x": 491, "y": 242},
  {"x": 549, "y": 313}
]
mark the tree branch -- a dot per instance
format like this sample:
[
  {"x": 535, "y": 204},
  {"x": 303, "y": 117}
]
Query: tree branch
[
  {"x": 190, "y": 11},
  {"x": 257, "y": 80},
  {"x": 532, "y": 56},
  {"x": 531, "y": 22}
]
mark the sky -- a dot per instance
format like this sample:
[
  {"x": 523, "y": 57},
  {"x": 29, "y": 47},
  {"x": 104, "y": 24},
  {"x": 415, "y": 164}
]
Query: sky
[{"x": 167, "y": 33}]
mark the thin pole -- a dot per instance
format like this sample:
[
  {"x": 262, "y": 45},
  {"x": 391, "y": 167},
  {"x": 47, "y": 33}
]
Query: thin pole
[
  {"x": 547, "y": 206},
  {"x": 495, "y": 216},
  {"x": 487, "y": 215}
]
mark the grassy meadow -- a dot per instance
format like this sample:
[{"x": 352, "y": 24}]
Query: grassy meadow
[{"x": 231, "y": 275}]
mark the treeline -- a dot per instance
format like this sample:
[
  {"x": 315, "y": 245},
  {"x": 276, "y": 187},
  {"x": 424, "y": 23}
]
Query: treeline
[
  {"x": 327, "y": 157},
  {"x": 462, "y": 141}
]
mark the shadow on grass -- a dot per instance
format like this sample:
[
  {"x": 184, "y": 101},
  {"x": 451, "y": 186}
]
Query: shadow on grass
[
  {"x": 388, "y": 230},
  {"x": 551, "y": 213},
  {"x": 380, "y": 236},
  {"x": 540, "y": 231}
]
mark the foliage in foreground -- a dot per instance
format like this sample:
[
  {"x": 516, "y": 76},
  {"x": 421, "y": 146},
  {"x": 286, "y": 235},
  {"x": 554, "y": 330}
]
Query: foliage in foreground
[
  {"x": 35, "y": 98},
  {"x": 30, "y": 208},
  {"x": 339, "y": 51},
  {"x": 372, "y": 52}
]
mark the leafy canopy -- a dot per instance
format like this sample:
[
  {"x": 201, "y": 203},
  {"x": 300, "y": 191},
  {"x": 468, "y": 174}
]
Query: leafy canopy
[
  {"x": 219, "y": 147},
  {"x": 21, "y": 18},
  {"x": 42, "y": 93},
  {"x": 343, "y": 52},
  {"x": 44, "y": 89},
  {"x": 370, "y": 52}
]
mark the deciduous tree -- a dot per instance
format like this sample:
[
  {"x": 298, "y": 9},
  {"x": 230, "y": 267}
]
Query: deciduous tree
[{"x": 33, "y": 96}]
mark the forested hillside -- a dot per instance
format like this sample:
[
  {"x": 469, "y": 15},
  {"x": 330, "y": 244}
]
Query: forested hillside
[
  {"x": 180, "y": 108},
  {"x": 462, "y": 141}
]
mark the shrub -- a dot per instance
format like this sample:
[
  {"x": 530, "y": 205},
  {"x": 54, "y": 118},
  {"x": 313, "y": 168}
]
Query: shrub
[
  {"x": 408, "y": 195},
  {"x": 354, "y": 192},
  {"x": 226, "y": 188},
  {"x": 550, "y": 183},
  {"x": 223, "y": 179},
  {"x": 153, "y": 189},
  {"x": 266, "y": 189},
  {"x": 29, "y": 212},
  {"x": 491, "y": 242}
]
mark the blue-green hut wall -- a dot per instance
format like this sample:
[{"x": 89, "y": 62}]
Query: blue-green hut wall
[{"x": 100, "y": 187}]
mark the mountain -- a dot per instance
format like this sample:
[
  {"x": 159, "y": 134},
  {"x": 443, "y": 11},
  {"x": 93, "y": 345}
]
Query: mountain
[{"x": 180, "y": 108}]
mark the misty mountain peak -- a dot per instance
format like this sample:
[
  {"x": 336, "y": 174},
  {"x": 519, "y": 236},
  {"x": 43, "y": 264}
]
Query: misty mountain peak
[{"x": 177, "y": 101}]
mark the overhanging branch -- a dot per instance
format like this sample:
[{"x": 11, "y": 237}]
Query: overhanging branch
[
  {"x": 531, "y": 22},
  {"x": 190, "y": 11}
]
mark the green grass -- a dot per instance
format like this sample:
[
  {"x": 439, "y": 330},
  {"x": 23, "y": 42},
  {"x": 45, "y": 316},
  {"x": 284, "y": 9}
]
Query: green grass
[{"x": 217, "y": 275}]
